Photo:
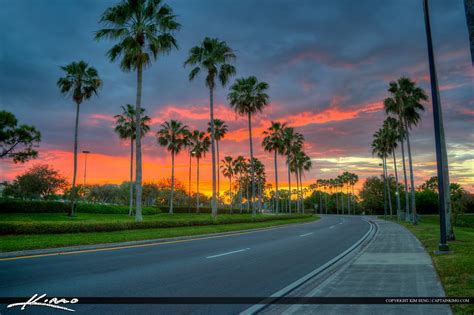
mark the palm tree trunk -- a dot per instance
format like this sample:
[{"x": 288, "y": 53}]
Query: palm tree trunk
[
  {"x": 389, "y": 192},
  {"x": 252, "y": 169},
  {"x": 289, "y": 187},
  {"x": 298, "y": 205},
  {"x": 130, "y": 211},
  {"x": 73, "y": 189},
  {"x": 240, "y": 191},
  {"x": 326, "y": 202},
  {"x": 348, "y": 200},
  {"x": 138, "y": 142},
  {"x": 213, "y": 150},
  {"x": 412, "y": 180},
  {"x": 407, "y": 198},
  {"x": 218, "y": 174},
  {"x": 320, "y": 203},
  {"x": 189, "y": 183},
  {"x": 230, "y": 192},
  {"x": 337, "y": 202},
  {"x": 172, "y": 183},
  {"x": 353, "y": 200},
  {"x": 384, "y": 192},
  {"x": 276, "y": 180},
  {"x": 247, "y": 195},
  {"x": 301, "y": 191},
  {"x": 397, "y": 191},
  {"x": 197, "y": 181},
  {"x": 342, "y": 199}
]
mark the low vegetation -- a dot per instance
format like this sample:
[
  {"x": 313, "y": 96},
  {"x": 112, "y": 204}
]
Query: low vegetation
[
  {"x": 179, "y": 223},
  {"x": 60, "y": 223},
  {"x": 456, "y": 269}
]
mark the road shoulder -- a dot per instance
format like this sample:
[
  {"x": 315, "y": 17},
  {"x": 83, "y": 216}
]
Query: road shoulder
[{"x": 393, "y": 264}]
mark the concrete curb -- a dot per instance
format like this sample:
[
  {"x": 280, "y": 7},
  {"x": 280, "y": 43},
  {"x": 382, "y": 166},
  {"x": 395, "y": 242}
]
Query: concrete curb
[
  {"x": 61, "y": 250},
  {"x": 285, "y": 291}
]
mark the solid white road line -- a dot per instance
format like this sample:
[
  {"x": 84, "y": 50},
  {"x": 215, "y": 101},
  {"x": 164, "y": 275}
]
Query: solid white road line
[
  {"x": 228, "y": 253},
  {"x": 306, "y": 234}
]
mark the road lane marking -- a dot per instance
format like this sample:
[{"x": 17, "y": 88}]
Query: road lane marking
[
  {"x": 331, "y": 227},
  {"x": 263, "y": 304},
  {"x": 306, "y": 234},
  {"x": 154, "y": 243},
  {"x": 228, "y": 253}
]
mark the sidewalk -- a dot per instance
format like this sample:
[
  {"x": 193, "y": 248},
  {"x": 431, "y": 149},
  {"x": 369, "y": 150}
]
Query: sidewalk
[{"x": 394, "y": 264}]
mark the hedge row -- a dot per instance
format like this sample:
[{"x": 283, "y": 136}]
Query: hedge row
[
  {"x": 39, "y": 206},
  {"x": 73, "y": 227}
]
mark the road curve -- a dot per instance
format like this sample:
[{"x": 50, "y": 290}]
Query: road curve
[{"x": 246, "y": 265}]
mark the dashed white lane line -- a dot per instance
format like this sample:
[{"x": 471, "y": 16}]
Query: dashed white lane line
[
  {"x": 228, "y": 253},
  {"x": 331, "y": 227},
  {"x": 307, "y": 234}
]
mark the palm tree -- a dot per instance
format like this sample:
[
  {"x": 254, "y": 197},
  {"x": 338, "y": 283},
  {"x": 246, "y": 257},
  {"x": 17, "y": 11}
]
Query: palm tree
[
  {"x": 305, "y": 165},
  {"x": 340, "y": 184},
  {"x": 273, "y": 141},
  {"x": 248, "y": 97},
  {"x": 125, "y": 128},
  {"x": 380, "y": 147},
  {"x": 406, "y": 105},
  {"x": 391, "y": 125},
  {"x": 143, "y": 30},
  {"x": 300, "y": 162},
  {"x": 260, "y": 180},
  {"x": 201, "y": 143},
  {"x": 80, "y": 83},
  {"x": 214, "y": 56},
  {"x": 172, "y": 135},
  {"x": 239, "y": 168},
  {"x": 353, "y": 180},
  {"x": 220, "y": 130},
  {"x": 228, "y": 171},
  {"x": 188, "y": 143},
  {"x": 293, "y": 141}
]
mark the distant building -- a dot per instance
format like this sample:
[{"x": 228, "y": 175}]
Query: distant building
[{"x": 469, "y": 6}]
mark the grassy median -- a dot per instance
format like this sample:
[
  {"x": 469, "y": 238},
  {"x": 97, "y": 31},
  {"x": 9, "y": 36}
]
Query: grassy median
[
  {"x": 168, "y": 226},
  {"x": 456, "y": 269}
]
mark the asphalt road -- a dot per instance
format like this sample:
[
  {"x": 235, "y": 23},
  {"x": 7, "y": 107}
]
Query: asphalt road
[{"x": 255, "y": 264}]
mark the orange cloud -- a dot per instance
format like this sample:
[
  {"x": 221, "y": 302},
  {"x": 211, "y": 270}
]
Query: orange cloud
[{"x": 333, "y": 113}]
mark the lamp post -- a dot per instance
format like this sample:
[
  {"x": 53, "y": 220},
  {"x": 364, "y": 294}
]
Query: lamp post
[
  {"x": 439, "y": 134},
  {"x": 85, "y": 166},
  {"x": 384, "y": 192}
]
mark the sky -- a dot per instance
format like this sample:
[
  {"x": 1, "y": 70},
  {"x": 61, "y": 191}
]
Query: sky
[{"x": 328, "y": 65}]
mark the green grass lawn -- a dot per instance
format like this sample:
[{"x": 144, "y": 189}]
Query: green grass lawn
[
  {"x": 36, "y": 241},
  {"x": 456, "y": 269}
]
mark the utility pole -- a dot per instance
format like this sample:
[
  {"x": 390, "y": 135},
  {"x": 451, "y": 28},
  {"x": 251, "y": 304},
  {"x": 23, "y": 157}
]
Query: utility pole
[{"x": 439, "y": 135}]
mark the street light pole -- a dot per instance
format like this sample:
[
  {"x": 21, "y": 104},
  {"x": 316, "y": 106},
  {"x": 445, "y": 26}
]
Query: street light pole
[
  {"x": 438, "y": 125},
  {"x": 85, "y": 166}
]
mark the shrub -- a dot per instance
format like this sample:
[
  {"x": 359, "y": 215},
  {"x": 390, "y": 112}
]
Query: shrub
[
  {"x": 80, "y": 227},
  {"x": 37, "y": 206}
]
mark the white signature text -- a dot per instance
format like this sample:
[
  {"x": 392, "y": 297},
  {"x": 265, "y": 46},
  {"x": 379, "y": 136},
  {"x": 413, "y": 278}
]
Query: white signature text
[{"x": 41, "y": 300}]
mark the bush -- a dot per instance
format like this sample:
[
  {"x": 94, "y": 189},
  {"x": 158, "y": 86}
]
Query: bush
[
  {"x": 36, "y": 206},
  {"x": 80, "y": 227}
]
